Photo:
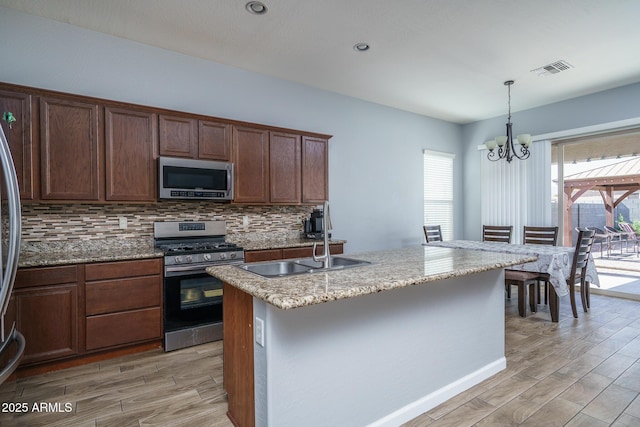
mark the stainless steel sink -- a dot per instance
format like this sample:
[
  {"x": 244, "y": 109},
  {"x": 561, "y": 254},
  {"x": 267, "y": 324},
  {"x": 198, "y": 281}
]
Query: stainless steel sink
[
  {"x": 275, "y": 268},
  {"x": 299, "y": 266},
  {"x": 336, "y": 263}
]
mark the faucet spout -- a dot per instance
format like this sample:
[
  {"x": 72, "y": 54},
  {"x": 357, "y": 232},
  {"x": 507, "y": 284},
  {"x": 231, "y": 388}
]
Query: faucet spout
[{"x": 326, "y": 226}]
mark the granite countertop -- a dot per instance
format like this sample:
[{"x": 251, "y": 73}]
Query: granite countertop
[
  {"x": 49, "y": 253},
  {"x": 279, "y": 240},
  {"x": 390, "y": 269},
  {"x": 43, "y": 254}
]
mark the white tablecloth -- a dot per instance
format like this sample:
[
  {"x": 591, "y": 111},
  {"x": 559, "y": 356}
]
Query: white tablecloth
[{"x": 554, "y": 260}]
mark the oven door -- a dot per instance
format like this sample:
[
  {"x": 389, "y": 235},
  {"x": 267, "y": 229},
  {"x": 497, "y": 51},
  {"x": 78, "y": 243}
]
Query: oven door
[{"x": 191, "y": 298}]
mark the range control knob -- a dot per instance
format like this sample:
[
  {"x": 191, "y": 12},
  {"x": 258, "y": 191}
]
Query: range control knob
[
  {"x": 189, "y": 258},
  {"x": 233, "y": 255},
  {"x": 223, "y": 256},
  {"x": 177, "y": 259},
  {"x": 207, "y": 257}
]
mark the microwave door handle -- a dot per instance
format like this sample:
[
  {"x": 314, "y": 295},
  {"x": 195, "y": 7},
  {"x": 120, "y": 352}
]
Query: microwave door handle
[{"x": 229, "y": 183}]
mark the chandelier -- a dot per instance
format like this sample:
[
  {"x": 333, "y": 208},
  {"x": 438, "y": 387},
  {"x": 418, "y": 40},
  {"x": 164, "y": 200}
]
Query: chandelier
[{"x": 506, "y": 149}]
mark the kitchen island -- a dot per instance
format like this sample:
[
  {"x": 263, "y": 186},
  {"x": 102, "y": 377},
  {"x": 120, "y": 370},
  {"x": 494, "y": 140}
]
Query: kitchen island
[{"x": 372, "y": 345}]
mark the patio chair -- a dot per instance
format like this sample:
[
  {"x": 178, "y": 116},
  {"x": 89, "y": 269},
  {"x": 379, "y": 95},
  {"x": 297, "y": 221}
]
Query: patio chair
[
  {"x": 631, "y": 236},
  {"x": 600, "y": 238},
  {"x": 616, "y": 237}
]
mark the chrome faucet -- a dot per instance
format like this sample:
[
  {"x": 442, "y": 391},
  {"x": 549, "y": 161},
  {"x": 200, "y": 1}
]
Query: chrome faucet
[{"x": 326, "y": 226}]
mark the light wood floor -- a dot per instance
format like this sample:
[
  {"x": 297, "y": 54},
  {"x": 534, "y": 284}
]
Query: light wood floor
[{"x": 583, "y": 372}]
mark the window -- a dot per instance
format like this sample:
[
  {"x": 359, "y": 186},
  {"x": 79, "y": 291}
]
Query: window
[{"x": 438, "y": 191}]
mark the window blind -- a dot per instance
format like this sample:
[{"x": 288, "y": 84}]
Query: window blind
[{"x": 438, "y": 191}]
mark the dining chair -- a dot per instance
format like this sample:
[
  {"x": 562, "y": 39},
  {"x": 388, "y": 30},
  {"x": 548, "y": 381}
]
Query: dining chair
[
  {"x": 578, "y": 274},
  {"x": 541, "y": 236},
  {"x": 526, "y": 279},
  {"x": 432, "y": 233},
  {"x": 497, "y": 233}
]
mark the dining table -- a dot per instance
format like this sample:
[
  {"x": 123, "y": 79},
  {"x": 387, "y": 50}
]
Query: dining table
[{"x": 554, "y": 261}]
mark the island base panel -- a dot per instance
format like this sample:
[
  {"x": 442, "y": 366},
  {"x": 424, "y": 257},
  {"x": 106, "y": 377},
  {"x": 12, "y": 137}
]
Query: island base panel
[{"x": 379, "y": 359}]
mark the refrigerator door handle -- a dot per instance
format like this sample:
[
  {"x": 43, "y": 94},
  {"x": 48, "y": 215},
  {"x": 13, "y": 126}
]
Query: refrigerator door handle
[{"x": 13, "y": 247}]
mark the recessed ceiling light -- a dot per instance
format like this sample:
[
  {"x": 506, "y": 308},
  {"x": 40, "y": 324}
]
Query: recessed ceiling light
[
  {"x": 256, "y": 8},
  {"x": 361, "y": 47}
]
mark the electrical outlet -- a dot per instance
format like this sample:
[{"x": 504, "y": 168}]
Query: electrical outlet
[
  {"x": 245, "y": 221},
  {"x": 122, "y": 223},
  {"x": 260, "y": 331}
]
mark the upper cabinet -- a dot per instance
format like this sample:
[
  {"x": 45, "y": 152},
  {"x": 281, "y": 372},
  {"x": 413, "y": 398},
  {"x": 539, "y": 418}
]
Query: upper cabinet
[
  {"x": 214, "y": 140},
  {"x": 315, "y": 170},
  {"x": 178, "y": 136},
  {"x": 251, "y": 165},
  {"x": 130, "y": 155},
  {"x": 274, "y": 167},
  {"x": 192, "y": 138},
  {"x": 285, "y": 155},
  {"x": 74, "y": 148},
  {"x": 70, "y": 147},
  {"x": 19, "y": 134}
]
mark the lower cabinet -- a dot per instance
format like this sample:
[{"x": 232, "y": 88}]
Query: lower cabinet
[
  {"x": 68, "y": 311},
  {"x": 46, "y": 306},
  {"x": 286, "y": 253},
  {"x": 123, "y": 303}
]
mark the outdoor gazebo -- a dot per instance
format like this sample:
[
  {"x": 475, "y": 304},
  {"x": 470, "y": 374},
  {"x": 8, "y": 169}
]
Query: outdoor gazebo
[{"x": 623, "y": 176}]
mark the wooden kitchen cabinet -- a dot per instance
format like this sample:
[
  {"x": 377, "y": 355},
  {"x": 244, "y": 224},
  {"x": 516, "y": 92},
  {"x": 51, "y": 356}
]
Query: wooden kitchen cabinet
[
  {"x": 287, "y": 253},
  {"x": 285, "y": 153},
  {"x": 21, "y": 140},
  {"x": 178, "y": 136},
  {"x": 47, "y": 312},
  {"x": 315, "y": 169},
  {"x": 130, "y": 155},
  {"x": 214, "y": 140},
  {"x": 251, "y": 163},
  {"x": 123, "y": 303},
  {"x": 70, "y": 149}
]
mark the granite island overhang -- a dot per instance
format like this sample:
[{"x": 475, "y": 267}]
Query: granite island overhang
[{"x": 372, "y": 345}]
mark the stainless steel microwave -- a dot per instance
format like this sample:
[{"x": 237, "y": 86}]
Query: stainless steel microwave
[{"x": 195, "y": 179}]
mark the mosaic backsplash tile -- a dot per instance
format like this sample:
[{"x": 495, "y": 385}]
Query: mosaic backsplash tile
[{"x": 68, "y": 222}]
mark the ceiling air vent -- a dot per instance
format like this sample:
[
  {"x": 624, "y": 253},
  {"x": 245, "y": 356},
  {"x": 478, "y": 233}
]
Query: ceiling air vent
[{"x": 553, "y": 68}]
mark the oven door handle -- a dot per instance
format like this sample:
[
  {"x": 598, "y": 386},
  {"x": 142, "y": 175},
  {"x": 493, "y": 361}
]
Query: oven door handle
[{"x": 175, "y": 270}]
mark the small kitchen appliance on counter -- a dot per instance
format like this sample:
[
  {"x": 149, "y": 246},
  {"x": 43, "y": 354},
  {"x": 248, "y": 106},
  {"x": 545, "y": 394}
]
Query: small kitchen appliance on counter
[
  {"x": 192, "y": 309},
  {"x": 313, "y": 225}
]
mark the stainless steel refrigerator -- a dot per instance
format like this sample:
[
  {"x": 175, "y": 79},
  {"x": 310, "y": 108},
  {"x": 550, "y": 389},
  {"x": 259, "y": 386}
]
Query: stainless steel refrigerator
[{"x": 13, "y": 343}]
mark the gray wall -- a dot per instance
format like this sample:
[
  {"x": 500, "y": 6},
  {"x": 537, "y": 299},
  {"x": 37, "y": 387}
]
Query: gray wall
[
  {"x": 604, "y": 107},
  {"x": 375, "y": 155}
]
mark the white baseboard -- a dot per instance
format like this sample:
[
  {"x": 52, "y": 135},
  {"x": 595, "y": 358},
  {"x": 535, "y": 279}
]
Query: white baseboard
[{"x": 439, "y": 396}]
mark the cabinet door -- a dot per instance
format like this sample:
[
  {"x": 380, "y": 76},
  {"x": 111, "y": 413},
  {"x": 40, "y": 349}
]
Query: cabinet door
[
  {"x": 214, "y": 141},
  {"x": 315, "y": 183},
  {"x": 47, "y": 316},
  {"x": 19, "y": 136},
  {"x": 284, "y": 168},
  {"x": 130, "y": 141},
  {"x": 69, "y": 150},
  {"x": 251, "y": 162},
  {"x": 178, "y": 136}
]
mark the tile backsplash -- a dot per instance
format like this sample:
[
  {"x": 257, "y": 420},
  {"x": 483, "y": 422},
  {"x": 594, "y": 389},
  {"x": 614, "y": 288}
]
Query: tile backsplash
[{"x": 59, "y": 222}]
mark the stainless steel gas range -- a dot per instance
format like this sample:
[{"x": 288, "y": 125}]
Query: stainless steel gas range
[{"x": 192, "y": 298}]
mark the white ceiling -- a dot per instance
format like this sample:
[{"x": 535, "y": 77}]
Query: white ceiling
[{"x": 442, "y": 58}]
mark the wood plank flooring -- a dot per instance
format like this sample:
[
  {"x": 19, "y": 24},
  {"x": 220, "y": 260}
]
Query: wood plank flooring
[{"x": 583, "y": 372}]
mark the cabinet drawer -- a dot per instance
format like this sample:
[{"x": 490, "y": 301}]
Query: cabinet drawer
[
  {"x": 124, "y": 294},
  {"x": 114, "y": 270},
  {"x": 108, "y": 330},
  {"x": 307, "y": 251},
  {"x": 262, "y": 255},
  {"x": 26, "y": 278}
]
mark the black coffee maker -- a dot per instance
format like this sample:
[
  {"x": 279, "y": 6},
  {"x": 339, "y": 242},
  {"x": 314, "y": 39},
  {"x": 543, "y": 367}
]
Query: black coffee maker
[{"x": 313, "y": 225}]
